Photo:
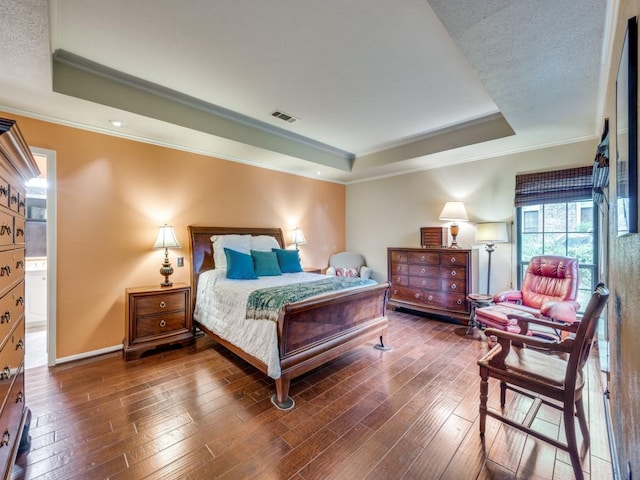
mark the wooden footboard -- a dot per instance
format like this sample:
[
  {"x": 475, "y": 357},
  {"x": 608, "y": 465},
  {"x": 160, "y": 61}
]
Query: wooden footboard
[
  {"x": 311, "y": 332},
  {"x": 314, "y": 331}
]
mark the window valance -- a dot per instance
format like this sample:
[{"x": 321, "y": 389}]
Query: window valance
[{"x": 569, "y": 185}]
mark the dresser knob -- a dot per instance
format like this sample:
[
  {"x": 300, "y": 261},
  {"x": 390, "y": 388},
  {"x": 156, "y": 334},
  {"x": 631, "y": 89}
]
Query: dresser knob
[
  {"x": 163, "y": 323},
  {"x": 5, "y": 317},
  {"x": 453, "y": 259},
  {"x": 459, "y": 302},
  {"x": 430, "y": 297},
  {"x": 422, "y": 258},
  {"x": 453, "y": 286},
  {"x": 417, "y": 295},
  {"x": 20, "y": 397},
  {"x": 424, "y": 282},
  {"x": 423, "y": 270},
  {"x": 6, "y": 436},
  {"x": 453, "y": 273},
  {"x": 162, "y": 304}
]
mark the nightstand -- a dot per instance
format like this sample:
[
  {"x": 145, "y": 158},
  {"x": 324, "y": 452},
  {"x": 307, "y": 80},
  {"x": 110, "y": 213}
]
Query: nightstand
[
  {"x": 312, "y": 270},
  {"x": 157, "y": 317}
]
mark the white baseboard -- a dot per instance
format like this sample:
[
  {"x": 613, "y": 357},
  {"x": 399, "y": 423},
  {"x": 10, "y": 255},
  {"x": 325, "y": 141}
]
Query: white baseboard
[{"x": 93, "y": 353}]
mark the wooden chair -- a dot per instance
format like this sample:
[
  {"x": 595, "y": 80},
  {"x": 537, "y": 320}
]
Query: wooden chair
[{"x": 535, "y": 373}]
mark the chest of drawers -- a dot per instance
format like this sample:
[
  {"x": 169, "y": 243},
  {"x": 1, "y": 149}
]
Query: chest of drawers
[
  {"x": 157, "y": 317},
  {"x": 17, "y": 165},
  {"x": 432, "y": 280}
]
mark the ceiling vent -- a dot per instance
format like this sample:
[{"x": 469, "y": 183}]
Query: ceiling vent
[{"x": 284, "y": 116}]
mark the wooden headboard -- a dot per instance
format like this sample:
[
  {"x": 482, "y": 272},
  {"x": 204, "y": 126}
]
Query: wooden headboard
[{"x": 202, "y": 248}]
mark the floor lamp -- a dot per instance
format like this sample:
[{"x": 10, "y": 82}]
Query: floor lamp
[{"x": 490, "y": 234}]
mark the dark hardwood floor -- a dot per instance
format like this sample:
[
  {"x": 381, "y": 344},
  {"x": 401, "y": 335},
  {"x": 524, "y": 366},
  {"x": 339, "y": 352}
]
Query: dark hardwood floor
[{"x": 202, "y": 413}]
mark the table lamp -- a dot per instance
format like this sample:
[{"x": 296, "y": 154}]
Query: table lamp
[
  {"x": 166, "y": 239},
  {"x": 454, "y": 212}
]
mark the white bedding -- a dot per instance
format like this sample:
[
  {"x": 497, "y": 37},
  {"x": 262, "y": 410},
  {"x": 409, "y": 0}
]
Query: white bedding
[{"x": 221, "y": 306}]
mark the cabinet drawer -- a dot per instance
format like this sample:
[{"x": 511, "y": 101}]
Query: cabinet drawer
[
  {"x": 413, "y": 295},
  {"x": 399, "y": 268},
  {"x": 429, "y": 283},
  {"x": 11, "y": 309},
  {"x": 166, "y": 302},
  {"x": 399, "y": 256},
  {"x": 400, "y": 280},
  {"x": 428, "y": 258},
  {"x": 451, "y": 285},
  {"x": 424, "y": 270},
  {"x": 459, "y": 273},
  {"x": 158, "y": 325},
  {"x": 455, "y": 302},
  {"x": 454, "y": 258},
  {"x": 11, "y": 418},
  {"x": 11, "y": 267},
  {"x": 11, "y": 358}
]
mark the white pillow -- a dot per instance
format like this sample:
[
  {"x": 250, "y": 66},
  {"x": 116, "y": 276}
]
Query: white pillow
[
  {"x": 264, "y": 243},
  {"x": 239, "y": 243}
]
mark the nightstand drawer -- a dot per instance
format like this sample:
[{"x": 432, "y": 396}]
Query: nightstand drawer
[
  {"x": 155, "y": 325},
  {"x": 167, "y": 302}
]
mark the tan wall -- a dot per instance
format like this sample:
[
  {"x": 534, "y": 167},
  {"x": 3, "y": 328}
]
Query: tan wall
[
  {"x": 113, "y": 193},
  {"x": 389, "y": 212},
  {"x": 624, "y": 275}
]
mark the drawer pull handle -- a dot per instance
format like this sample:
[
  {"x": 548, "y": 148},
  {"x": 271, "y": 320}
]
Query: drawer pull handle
[
  {"x": 19, "y": 264},
  {"x": 13, "y": 199},
  {"x": 453, "y": 273},
  {"x": 19, "y": 232},
  {"x": 453, "y": 286},
  {"x": 20, "y": 397},
  {"x": 422, "y": 258},
  {"x": 6, "y": 317},
  {"x": 423, "y": 270},
  {"x": 4, "y": 190},
  {"x": 5, "y": 229},
  {"x": 459, "y": 302},
  {"x": 21, "y": 204},
  {"x": 20, "y": 344},
  {"x": 163, "y": 323},
  {"x": 424, "y": 282},
  {"x": 395, "y": 292},
  {"x": 163, "y": 304},
  {"x": 6, "y": 436},
  {"x": 20, "y": 301},
  {"x": 453, "y": 259},
  {"x": 6, "y": 373},
  {"x": 6, "y": 270},
  {"x": 417, "y": 295}
]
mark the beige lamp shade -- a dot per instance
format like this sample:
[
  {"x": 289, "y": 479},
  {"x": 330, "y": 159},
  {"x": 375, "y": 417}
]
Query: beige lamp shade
[
  {"x": 166, "y": 238},
  {"x": 491, "y": 232},
  {"x": 298, "y": 237},
  {"x": 454, "y": 211}
]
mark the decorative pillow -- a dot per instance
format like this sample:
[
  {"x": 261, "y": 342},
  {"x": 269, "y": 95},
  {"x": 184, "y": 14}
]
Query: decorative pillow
[
  {"x": 347, "y": 272},
  {"x": 263, "y": 243},
  {"x": 289, "y": 260},
  {"x": 239, "y": 243},
  {"x": 239, "y": 265},
  {"x": 266, "y": 263}
]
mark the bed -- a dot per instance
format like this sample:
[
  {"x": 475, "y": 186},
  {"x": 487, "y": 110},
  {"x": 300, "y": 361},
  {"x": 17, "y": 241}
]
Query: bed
[{"x": 307, "y": 333}]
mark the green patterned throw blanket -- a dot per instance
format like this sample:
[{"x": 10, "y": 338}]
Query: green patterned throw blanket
[{"x": 265, "y": 303}]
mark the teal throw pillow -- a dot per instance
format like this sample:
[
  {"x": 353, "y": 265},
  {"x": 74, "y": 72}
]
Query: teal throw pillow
[
  {"x": 239, "y": 265},
  {"x": 289, "y": 260},
  {"x": 265, "y": 263}
]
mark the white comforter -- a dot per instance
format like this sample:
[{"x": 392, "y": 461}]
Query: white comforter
[{"x": 221, "y": 306}]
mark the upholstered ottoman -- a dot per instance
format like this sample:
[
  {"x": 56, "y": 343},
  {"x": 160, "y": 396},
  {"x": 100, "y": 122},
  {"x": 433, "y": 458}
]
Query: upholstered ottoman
[{"x": 495, "y": 316}]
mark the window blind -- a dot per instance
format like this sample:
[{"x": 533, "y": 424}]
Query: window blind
[{"x": 569, "y": 185}]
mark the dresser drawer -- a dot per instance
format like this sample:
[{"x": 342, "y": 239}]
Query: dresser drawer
[
  {"x": 459, "y": 273},
  {"x": 399, "y": 268},
  {"x": 398, "y": 256},
  {"x": 454, "y": 258},
  {"x": 429, "y": 283},
  {"x": 11, "y": 418},
  {"x": 11, "y": 309},
  {"x": 11, "y": 358},
  {"x": 11, "y": 267},
  {"x": 166, "y": 302},
  {"x": 451, "y": 285},
  {"x": 405, "y": 294},
  {"x": 400, "y": 280},
  {"x": 455, "y": 302},
  {"x": 424, "y": 270},
  {"x": 424, "y": 257}
]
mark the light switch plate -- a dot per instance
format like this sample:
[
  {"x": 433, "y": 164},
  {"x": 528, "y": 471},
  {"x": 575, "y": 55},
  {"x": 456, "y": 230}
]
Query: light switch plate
[{"x": 181, "y": 261}]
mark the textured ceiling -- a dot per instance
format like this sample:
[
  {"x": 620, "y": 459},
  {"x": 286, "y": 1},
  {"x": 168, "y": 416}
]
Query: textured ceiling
[{"x": 380, "y": 88}]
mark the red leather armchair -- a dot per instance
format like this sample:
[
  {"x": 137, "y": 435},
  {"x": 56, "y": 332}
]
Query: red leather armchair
[{"x": 549, "y": 289}]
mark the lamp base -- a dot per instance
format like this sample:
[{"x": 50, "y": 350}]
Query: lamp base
[
  {"x": 166, "y": 270},
  {"x": 454, "y": 229}
]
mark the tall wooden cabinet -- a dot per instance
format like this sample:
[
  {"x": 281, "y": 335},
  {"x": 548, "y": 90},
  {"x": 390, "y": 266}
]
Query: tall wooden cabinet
[
  {"x": 17, "y": 165},
  {"x": 432, "y": 280}
]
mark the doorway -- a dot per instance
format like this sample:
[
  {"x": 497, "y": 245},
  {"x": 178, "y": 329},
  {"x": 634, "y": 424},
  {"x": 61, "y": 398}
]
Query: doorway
[{"x": 39, "y": 259}]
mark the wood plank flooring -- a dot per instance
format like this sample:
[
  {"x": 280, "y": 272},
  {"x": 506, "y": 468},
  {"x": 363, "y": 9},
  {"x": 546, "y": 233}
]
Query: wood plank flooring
[{"x": 202, "y": 413}]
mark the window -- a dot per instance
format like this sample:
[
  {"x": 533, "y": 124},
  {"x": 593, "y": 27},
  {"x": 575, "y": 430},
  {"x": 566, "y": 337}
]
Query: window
[{"x": 567, "y": 229}]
